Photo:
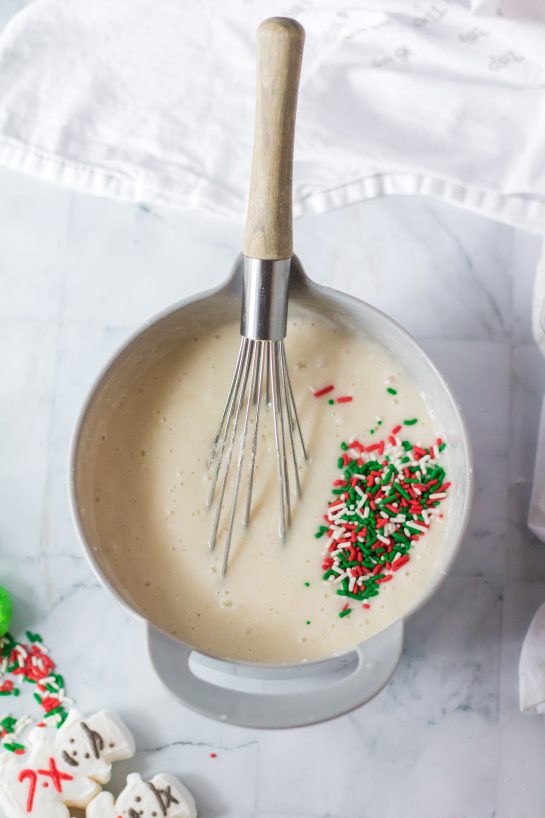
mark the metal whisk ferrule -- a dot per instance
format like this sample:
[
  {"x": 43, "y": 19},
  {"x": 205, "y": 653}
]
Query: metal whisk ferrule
[{"x": 260, "y": 382}]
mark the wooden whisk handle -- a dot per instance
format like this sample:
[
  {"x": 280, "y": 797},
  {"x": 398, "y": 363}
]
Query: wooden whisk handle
[{"x": 268, "y": 234}]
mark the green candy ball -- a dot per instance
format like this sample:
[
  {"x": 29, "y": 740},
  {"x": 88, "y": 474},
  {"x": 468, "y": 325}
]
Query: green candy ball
[{"x": 6, "y": 610}]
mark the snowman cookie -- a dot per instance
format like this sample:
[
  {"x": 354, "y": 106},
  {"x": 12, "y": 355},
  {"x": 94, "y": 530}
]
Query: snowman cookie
[
  {"x": 64, "y": 769},
  {"x": 162, "y": 797}
]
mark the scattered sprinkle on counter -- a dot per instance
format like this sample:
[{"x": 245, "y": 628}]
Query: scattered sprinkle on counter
[
  {"x": 213, "y": 755},
  {"x": 31, "y": 663},
  {"x": 391, "y": 390}
]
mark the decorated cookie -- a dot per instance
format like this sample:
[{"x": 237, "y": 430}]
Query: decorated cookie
[
  {"x": 162, "y": 797},
  {"x": 5, "y": 611},
  {"x": 65, "y": 768}
]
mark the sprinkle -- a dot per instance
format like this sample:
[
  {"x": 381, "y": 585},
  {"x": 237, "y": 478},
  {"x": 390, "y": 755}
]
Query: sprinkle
[
  {"x": 331, "y": 402},
  {"x": 307, "y": 622},
  {"x": 213, "y": 755},
  {"x": 391, "y": 390},
  {"x": 14, "y": 747},
  {"x": 383, "y": 504},
  {"x": 345, "y": 399},
  {"x": 410, "y": 421},
  {"x": 324, "y": 391},
  {"x": 33, "y": 664},
  {"x": 307, "y": 584}
]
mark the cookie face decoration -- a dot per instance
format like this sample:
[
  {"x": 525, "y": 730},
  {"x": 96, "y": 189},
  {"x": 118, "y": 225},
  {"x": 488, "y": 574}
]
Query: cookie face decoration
[
  {"x": 162, "y": 797},
  {"x": 64, "y": 769},
  {"x": 88, "y": 746}
]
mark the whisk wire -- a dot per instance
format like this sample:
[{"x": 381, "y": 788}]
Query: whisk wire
[
  {"x": 257, "y": 403},
  {"x": 241, "y": 451},
  {"x": 238, "y": 399},
  {"x": 218, "y": 445},
  {"x": 293, "y": 405},
  {"x": 290, "y": 421}
]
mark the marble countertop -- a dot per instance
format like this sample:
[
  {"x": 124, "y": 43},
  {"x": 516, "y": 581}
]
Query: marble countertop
[{"x": 445, "y": 739}]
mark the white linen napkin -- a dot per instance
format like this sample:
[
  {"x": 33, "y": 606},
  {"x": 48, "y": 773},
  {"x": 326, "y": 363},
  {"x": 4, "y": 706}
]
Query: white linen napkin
[
  {"x": 153, "y": 100},
  {"x": 532, "y": 667}
]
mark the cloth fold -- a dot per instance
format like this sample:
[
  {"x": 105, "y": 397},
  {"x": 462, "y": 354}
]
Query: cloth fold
[{"x": 153, "y": 100}]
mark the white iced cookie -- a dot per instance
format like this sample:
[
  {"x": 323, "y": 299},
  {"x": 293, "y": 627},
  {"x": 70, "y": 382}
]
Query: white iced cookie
[
  {"x": 65, "y": 768},
  {"x": 162, "y": 797}
]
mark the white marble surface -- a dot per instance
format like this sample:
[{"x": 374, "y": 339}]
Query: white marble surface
[{"x": 445, "y": 738}]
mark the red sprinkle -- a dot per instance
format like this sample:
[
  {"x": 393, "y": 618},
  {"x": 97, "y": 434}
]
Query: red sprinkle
[
  {"x": 344, "y": 399},
  {"x": 400, "y": 561},
  {"x": 213, "y": 755},
  {"x": 319, "y": 394}
]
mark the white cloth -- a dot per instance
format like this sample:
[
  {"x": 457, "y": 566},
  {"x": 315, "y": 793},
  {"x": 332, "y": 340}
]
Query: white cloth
[
  {"x": 532, "y": 667},
  {"x": 153, "y": 100}
]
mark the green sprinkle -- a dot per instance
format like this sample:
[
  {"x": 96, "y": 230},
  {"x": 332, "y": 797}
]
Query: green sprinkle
[
  {"x": 307, "y": 584},
  {"x": 331, "y": 401},
  {"x": 442, "y": 447},
  {"x": 345, "y": 612},
  {"x": 401, "y": 490},
  {"x": 53, "y": 711},
  {"x": 371, "y": 431},
  {"x": 307, "y": 622},
  {"x": 410, "y": 421},
  {"x": 33, "y": 637},
  {"x": 344, "y": 446},
  {"x": 62, "y": 719},
  {"x": 13, "y": 746},
  {"x": 392, "y": 391}
]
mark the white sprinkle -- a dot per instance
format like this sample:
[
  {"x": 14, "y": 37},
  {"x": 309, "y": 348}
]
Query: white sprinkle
[
  {"x": 384, "y": 515},
  {"x": 385, "y": 540},
  {"x": 418, "y": 527},
  {"x": 440, "y": 495},
  {"x": 340, "y": 578}
]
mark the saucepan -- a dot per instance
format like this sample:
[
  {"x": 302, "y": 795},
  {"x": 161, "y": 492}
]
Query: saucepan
[{"x": 246, "y": 693}]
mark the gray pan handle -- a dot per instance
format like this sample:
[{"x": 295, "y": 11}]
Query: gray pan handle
[{"x": 370, "y": 667}]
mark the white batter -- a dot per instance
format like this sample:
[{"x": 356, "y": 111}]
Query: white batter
[{"x": 150, "y": 490}]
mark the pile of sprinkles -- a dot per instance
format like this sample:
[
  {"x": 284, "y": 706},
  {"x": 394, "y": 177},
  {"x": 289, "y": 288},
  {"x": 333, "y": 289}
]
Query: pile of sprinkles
[
  {"x": 385, "y": 501},
  {"x": 31, "y": 663}
]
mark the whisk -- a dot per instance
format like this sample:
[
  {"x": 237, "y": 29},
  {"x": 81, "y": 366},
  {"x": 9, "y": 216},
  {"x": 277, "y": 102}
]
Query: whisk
[{"x": 261, "y": 380}]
